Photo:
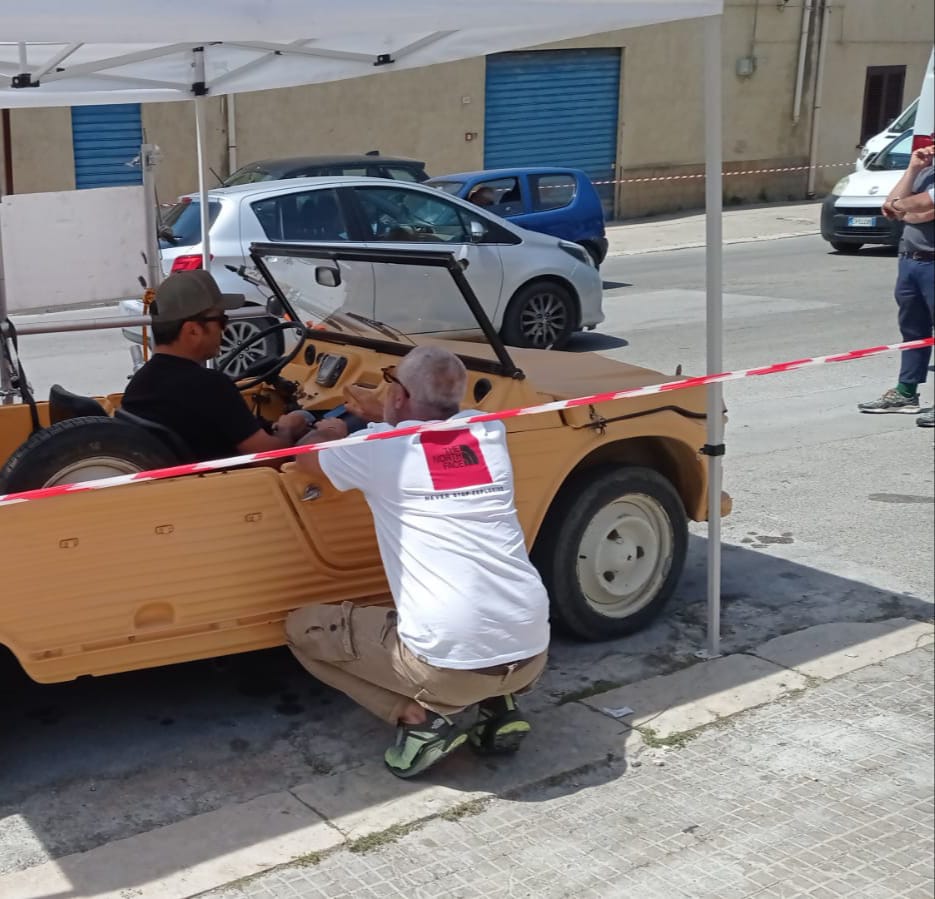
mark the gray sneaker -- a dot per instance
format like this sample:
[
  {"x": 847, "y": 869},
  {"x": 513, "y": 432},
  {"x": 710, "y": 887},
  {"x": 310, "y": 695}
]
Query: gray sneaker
[
  {"x": 926, "y": 419},
  {"x": 892, "y": 401}
]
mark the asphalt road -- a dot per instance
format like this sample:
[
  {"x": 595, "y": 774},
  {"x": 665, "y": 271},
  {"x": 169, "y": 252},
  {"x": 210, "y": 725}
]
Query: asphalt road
[{"x": 832, "y": 522}]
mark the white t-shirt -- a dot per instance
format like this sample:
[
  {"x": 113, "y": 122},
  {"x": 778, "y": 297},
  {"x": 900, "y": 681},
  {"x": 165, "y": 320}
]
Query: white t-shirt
[{"x": 442, "y": 502}]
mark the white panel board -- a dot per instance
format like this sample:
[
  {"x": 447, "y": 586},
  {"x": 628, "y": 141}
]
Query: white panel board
[{"x": 68, "y": 248}]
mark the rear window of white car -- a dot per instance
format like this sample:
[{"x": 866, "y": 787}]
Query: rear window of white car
[{"x": 181, "y": 225}]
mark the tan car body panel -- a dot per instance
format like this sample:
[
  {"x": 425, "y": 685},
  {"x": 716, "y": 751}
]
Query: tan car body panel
[{"x": 175, "y": 570}]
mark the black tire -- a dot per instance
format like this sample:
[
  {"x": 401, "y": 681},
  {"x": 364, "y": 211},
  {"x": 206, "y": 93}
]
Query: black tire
[
  {"x": 847, "y": 248},
  {"x": 541, "y": 315},
  {"x": 82, "y": 449},
  {"x": 239, "y": 330},
  {"x": 580, "y": 560}
]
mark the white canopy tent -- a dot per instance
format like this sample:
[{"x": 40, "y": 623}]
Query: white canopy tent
[{"x": 65, "y": 53}]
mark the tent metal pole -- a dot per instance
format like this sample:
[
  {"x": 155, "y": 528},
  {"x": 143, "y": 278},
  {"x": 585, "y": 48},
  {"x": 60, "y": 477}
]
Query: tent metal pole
[
  {"x": 6, "y": 379},
  {"x": 714, "y": 316},
  {"x": 149, "y": 157},
  {"x": 200, "y": 132}
]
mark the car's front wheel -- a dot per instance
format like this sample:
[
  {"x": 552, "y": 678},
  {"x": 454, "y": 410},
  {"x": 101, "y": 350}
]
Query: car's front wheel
[
  {"x": 541, "y": 315},
  {"x": 612, "y": 550},
  {"x": 848, "y": 248}
]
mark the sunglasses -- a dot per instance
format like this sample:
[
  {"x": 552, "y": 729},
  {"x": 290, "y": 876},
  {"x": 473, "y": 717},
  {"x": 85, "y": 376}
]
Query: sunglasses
[
  {"x": 221, "y": 319},
  {"x": 390, "y": 378}
]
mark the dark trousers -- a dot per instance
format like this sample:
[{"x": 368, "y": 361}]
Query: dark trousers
[{"x": 915, "y": 297}]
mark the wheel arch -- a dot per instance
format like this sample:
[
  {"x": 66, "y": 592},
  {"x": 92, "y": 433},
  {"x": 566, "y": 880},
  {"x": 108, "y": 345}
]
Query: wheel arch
[{"x": 671, "y": 458}]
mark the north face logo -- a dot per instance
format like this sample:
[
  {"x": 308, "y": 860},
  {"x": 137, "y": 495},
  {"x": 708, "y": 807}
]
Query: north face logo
[{"x": 454, "y": 460}]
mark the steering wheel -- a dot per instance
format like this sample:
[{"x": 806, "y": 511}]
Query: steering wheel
[{"x": 264, "y": 369}]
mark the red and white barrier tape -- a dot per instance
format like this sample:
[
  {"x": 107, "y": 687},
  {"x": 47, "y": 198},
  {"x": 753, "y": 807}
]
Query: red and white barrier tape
[
  {"x": 456, "y": 424},
  {"x": 784, "y": 170}
]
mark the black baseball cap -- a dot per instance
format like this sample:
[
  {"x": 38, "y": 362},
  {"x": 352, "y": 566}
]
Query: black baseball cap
[{"x": 185, "y": 295}]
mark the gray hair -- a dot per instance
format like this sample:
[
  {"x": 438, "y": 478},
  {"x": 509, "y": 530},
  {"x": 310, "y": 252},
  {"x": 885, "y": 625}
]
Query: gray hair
[{"x": 436, "y": 380}]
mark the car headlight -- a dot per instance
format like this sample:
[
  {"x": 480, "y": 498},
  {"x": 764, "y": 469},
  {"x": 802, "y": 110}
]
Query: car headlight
[
  {"x": 840, "y": 187},
  {"x": 579, "y": 252}
]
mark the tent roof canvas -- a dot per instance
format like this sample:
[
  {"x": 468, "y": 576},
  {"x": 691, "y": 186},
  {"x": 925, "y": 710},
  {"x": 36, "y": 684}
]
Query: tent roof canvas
[{"x": 66, "y": 53}]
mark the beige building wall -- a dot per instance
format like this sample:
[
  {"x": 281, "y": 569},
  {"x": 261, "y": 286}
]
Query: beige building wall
[{"x": 437, "y": 114}]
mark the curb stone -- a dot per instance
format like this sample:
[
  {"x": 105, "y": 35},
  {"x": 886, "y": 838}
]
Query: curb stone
[{"x": 358, "y": 807}]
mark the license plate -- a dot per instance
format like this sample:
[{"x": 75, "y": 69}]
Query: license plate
[{"x": 861, "y": 221}]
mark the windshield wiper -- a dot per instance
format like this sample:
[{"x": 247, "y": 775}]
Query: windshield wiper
[{"x": 382, "y": 327}]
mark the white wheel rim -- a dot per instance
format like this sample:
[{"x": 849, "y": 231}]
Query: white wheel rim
[
  {"x": 625, "y": 555},
  {"x": 234, "y": 333},
  {"x": 92, "y": 469}
]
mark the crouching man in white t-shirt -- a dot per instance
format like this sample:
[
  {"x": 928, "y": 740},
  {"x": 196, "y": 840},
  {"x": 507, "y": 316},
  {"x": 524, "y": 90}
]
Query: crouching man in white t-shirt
[{"x": 471, "y": 619}]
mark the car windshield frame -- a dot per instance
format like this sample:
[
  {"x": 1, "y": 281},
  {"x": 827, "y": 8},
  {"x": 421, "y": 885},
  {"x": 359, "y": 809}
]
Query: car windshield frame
[{"x": 261, "y": 251}]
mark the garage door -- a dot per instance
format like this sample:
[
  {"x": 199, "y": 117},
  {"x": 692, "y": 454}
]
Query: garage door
[
  {"x": 554, "y": 107},
  {"x": 105, "y": 139}
]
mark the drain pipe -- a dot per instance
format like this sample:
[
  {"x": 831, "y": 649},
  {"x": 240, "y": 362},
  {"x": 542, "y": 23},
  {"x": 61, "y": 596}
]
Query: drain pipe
[
  {"x": 825, "y": 24},
  {"x": 231, "y": 134},
  {"x": 803, "y": 52}
]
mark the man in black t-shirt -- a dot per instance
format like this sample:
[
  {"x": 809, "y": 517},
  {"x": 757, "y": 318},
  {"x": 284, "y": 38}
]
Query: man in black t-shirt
[{"x": 174, "y": 389}]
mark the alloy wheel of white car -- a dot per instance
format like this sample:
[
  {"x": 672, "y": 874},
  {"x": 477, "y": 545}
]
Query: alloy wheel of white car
[{"x": 238, "y": 331}]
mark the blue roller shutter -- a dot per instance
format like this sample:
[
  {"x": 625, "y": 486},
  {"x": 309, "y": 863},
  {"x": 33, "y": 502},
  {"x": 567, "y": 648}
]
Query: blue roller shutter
[
  {"x": 105, "y": 139},
  {"x": 554, "y": 107}
]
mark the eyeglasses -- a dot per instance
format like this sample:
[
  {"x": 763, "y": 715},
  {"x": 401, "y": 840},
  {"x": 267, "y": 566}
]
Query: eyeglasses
[
  {"x": 221, "y": 319},
  {"x": 390, "y": 378}
]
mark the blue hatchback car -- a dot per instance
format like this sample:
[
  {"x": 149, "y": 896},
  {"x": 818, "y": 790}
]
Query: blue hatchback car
[{"x": 557, "y": 201}]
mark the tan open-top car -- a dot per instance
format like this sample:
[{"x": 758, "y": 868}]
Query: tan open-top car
[{"x": 204, "y": 565}]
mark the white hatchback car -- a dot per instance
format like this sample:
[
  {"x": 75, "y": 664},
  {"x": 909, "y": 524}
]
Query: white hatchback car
[{"x": 536, "y": 289}]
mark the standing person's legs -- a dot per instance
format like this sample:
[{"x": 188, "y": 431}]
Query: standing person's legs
[
  {"x": 915, "y": 322},
  {"x": 915, "y": 296}
]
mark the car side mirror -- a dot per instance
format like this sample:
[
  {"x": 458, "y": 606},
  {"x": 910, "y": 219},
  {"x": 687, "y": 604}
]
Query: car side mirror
[
  {"x": 274, "y": 307},
  {"x": 478, "y": 232},
  {"x": 327, "y": 277}
]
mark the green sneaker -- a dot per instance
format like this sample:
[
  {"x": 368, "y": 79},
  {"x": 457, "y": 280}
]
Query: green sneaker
[
  {"x": 419, "y": 746},
  {"x": 500, "y": 727},
  {"x": 892, "y": 401}
]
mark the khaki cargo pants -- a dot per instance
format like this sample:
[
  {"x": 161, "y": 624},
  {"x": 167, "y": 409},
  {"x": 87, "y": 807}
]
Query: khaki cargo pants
[{"x": 356, "y": 650}]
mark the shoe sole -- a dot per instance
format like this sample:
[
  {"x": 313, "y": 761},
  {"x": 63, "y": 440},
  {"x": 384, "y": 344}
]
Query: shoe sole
[
  {"x": 905, "y": 410},
  {"x": 430, "y": 755},
  {"x": 506, "y": 739}
]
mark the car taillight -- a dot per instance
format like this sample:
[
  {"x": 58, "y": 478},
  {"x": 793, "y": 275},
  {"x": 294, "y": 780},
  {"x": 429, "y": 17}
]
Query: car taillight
[
  {"x": 187, "y": 263},
  {"x": 922, "y": 140}
]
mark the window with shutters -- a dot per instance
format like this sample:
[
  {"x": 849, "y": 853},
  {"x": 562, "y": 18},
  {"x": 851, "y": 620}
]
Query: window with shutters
[{"x": 883, "y": 98}]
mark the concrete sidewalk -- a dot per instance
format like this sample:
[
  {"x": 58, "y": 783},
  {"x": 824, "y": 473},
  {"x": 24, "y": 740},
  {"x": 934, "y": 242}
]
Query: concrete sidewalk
[
  {"x": 740, "y": 225},
  {"x": 716, "y": 780},
  {"x": 826, "y": 793}
]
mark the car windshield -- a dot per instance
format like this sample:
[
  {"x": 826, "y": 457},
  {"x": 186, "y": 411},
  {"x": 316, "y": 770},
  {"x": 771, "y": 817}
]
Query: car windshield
[
  {"x": 248, "y": 175},
  {"x": 895, "y": 157},
  {"x": 321, "y": 293},
  {"x": 906, "y": 120}
]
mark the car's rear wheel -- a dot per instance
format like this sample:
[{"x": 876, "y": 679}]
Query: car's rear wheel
[
  {"x": 848, "y": 248},
  {"x": 612, "y": 550},
  {"x": 241, "y": 330},
  {"x": 82, "y": 449},
  {"x": 540, "y": 315}
]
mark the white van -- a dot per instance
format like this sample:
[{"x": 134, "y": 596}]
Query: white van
[
  {"x": 923, "y": 131},
  {"x": 851, "y": 215},
  {"x": 905, "y": 121}
]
